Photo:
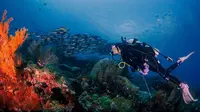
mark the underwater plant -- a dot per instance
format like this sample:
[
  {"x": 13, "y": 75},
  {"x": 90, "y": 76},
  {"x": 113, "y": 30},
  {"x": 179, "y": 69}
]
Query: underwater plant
[
  {"x": 47, "y": 56},
  {"x": 40, "y": 54}
]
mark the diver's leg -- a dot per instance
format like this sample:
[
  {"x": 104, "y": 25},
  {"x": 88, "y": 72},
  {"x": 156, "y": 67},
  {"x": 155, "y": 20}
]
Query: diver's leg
[
  {"x": 172, "y": 67},
  {"x": 173, "y": 79},
  {"x": 187, "y": 97},
  {"x": 164, "y": 73},
  {"x": 157, "y": 67}
]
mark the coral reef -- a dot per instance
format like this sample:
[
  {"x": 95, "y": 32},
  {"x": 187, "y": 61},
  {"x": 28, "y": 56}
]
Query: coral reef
[
  {"x": 26, "y": 89},
  {"x": 37, "y": 90},
  {"x": 97, "y": 103},
  {"x": 52, "y": 90}
]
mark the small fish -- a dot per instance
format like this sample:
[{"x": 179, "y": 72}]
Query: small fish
[
  {"x": 74, "y": 37},
  {"x": 65, "y": 37},
  {"x": 81, "y": 49},
  {"x": 28, "y": 34},
  {"x": 61, "y": 29},
  {"x": 38, "y": 36},
  {"x": 51, "y": 36},
  {"x": 156, "y": 16},
  {"x": 48, "y": 39},
  {"x": 53, "y": 32},
  {"x": 44, "y": 4},
  {"x": 73, "y": 44},
  {"x": 83, "y": 79},
  {"x": 62, "y": 32},
  {"x": 40, "y": 64},
  {"x": 33, "y": 33},
  {"x": 82, "y": 39},
  {"x": 94, "y": 44}
]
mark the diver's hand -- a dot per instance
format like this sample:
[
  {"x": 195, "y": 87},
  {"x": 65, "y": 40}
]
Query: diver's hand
[
  {"x": 170, "y": 59},
  {"x": 145, "y": 71}
]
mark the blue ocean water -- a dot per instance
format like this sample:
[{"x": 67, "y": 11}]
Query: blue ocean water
[{"x": 170, "y": 25}]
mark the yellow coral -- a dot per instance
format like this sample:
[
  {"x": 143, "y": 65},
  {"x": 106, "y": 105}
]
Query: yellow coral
[{"x": 8, "y": 46}]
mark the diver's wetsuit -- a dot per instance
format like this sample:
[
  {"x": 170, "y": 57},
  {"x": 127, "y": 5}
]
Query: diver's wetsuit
[{"x": 138, "y": 54}]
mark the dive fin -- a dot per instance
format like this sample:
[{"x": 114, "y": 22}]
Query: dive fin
[
  {"x": 187, "y": 97},
  {"x": 182, "y": 59}
]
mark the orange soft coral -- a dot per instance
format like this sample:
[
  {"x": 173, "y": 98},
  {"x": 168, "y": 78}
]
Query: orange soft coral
[
  {"x": 13, "y": 94},
  {"x": 8, "y": 46}
]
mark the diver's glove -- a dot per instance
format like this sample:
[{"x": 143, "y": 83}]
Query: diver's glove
[
  {"x": 187, "y": 97},
  {"x": 169, "y": 59}
]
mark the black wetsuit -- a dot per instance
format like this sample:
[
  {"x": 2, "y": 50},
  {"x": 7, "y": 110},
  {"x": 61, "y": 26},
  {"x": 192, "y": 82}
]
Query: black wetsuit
[{"x": 137, "y": 54}]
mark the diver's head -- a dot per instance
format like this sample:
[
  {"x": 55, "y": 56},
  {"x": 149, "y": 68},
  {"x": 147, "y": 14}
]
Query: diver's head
[{"x": 116, "y": 48}]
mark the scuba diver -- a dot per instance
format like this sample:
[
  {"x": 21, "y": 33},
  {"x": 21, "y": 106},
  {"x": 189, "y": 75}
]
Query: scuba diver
[{"x": 142, "y": 57}]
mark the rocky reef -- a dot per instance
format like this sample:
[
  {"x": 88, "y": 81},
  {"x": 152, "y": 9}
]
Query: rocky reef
[
  {"x": 110, "y": 90},
  {"x": 107, "y": 74}
]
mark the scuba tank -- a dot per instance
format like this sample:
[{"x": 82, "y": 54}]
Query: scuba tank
[{"x": 123, "y": 39}]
